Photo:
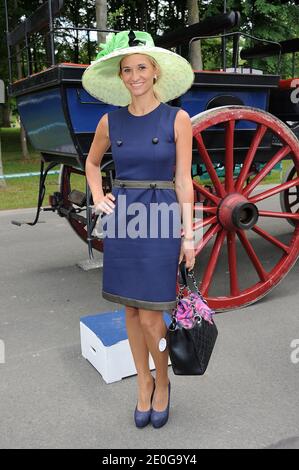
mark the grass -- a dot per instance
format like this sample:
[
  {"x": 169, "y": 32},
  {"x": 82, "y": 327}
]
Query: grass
[
  {"x": 275, "y": 176},
  {"x": 23, "y": 192}
]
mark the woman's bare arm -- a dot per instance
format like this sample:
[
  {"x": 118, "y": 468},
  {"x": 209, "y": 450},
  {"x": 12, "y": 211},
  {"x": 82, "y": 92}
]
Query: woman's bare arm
[
  {"x": 100, "y": 145},
  {"x": 183, "y": 178}
]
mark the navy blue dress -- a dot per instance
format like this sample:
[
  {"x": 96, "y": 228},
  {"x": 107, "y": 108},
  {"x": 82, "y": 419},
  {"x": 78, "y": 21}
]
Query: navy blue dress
[{"x": 141, "y": 271}]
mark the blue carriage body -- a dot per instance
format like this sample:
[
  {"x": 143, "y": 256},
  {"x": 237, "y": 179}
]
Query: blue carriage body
[
  {"x": 43, "y": 116},
  {"x": 60, "y": 117}
]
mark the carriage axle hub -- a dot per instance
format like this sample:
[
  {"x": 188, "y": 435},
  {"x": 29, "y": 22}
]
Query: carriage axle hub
[{"x": 235, "y": 212}]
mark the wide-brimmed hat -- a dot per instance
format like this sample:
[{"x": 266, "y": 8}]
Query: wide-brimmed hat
[{"x": 102, "y": 81}]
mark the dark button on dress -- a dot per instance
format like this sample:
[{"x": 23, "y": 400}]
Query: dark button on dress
[{"x": 141, "y": 271}]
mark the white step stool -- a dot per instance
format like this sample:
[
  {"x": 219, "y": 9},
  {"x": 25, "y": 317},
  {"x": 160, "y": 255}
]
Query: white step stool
[{"x": 105, "y": 344}]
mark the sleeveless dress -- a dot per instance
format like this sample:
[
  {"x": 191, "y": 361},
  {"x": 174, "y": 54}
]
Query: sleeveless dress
[{"x": 140, "y": 269}]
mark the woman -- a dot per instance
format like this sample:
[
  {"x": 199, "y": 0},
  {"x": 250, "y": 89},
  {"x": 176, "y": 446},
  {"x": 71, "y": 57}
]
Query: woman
[{"x": 148, "y": 139}]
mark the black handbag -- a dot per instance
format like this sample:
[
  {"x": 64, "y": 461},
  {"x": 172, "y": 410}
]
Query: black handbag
[{"x": 190, "y": 349}]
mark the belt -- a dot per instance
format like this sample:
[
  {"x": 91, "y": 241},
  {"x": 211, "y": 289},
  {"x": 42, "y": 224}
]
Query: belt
[{"x": 143, "y": 184}]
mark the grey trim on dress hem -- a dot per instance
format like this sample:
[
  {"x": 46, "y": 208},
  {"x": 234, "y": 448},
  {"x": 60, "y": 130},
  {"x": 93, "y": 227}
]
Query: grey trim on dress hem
[{"x": 139, "y": 303}]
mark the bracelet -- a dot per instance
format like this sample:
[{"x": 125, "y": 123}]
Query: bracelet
[{"x": 188, "y": 238}]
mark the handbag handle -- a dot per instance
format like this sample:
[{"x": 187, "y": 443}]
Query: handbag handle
[{"x": 184, "y": 274}]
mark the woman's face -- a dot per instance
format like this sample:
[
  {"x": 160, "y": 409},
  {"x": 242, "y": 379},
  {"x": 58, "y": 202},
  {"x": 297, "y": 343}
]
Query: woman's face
[{"x": 137, "y": 73}]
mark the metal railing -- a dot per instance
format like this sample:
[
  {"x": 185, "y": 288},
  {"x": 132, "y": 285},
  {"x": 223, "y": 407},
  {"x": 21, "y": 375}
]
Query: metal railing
[
  {"x": 22, "y": 38},
  {"x": 236, "y": 45}
]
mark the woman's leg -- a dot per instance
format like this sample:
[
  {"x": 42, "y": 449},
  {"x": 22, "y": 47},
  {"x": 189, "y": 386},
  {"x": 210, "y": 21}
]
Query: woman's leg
[
  {"x": 154, "y": 328},
  {"x": 140, "y": 354}
]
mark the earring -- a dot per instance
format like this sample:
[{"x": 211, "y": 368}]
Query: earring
[{"x": 155, "y": 78}]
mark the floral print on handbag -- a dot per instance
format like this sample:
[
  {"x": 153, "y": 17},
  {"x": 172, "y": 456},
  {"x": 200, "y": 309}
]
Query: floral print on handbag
[{"x": 191, "y": 308}]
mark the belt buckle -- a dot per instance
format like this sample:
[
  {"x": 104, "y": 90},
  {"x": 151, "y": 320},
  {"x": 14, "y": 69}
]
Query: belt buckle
[{"x": 153, "y": 185}]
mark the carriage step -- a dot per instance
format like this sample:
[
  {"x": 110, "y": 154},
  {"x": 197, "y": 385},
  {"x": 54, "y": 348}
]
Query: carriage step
[
  {"x": 89, "y": 264},
  {"x": 77, "y": 197}
]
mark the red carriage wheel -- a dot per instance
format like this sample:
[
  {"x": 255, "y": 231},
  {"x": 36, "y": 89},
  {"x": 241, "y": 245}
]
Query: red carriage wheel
[
  {"x": 289, "y": 199},
  {"x": 69, "y": 180},
  {"x": 237, "y": 228}
]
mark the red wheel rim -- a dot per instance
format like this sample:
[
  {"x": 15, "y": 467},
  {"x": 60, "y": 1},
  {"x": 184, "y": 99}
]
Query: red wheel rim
[{"x": 230, "y": 241}]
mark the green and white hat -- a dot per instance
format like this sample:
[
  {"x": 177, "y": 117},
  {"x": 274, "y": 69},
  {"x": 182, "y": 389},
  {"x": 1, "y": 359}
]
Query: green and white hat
[{"x": 102, "y": 81}]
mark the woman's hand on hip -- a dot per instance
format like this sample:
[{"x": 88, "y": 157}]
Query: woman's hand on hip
[{"x": 105, "y": 204}]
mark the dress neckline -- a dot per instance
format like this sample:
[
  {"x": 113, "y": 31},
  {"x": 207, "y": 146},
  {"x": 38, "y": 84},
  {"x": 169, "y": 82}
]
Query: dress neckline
[{"x": 143, "y": 115}]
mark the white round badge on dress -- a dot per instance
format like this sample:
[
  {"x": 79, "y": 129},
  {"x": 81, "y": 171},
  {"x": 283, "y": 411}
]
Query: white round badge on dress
[{"x": 162, "y": 344}]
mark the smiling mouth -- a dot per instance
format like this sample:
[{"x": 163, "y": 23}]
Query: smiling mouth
[{"x": 136, "y": 84}]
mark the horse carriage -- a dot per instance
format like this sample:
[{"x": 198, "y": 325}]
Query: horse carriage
[{"x": 245, "y": 126}]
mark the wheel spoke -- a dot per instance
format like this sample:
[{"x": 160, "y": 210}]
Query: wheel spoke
[
  {"x": 273, "y": 191},
  {"x": 232, "y": 263},
  {"x": 266, "y": 169},
  {"x": 281, "y": 215},
  {"x": 209, "y": 166},
  {"x": 263, "y": 275},
  {"x": 202, "y": 223},
  {"x": 271, "y": 239},
  {"x": 209, "y": 209},
  {"x": 229, "y": 156},
  {"x": 259, "y": 134},
  {"x": 208, "y": 275},
  {"x": 206, "y": 193},
  {"x": 207, "y": 237},
  {"x": 292, "y": 204}
]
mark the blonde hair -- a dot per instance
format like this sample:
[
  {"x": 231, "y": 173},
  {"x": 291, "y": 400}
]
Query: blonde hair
[{"x": 154, "y": 64}]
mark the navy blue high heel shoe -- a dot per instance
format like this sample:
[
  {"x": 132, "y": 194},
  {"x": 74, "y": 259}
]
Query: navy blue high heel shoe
[
  {"x": 159, "y": 418},
  {"x": 142, "y": 418}
]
